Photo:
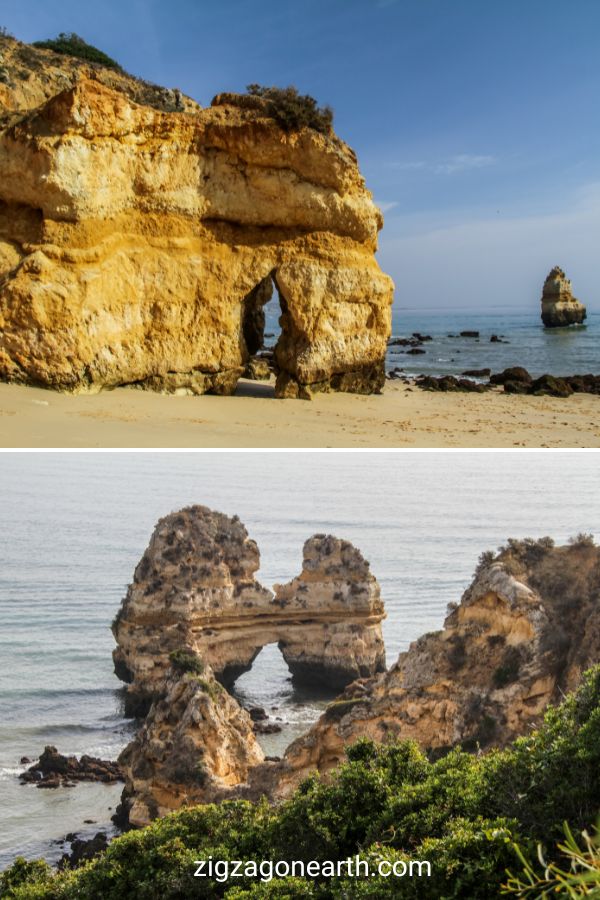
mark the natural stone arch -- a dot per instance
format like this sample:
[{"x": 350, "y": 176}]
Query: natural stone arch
[
  {"x": 155, "y": 228},
  {"x": 194, "y": 590}
]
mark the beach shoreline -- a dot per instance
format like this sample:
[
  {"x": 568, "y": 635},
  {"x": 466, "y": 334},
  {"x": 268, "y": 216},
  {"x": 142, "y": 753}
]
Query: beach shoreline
[{"x": 403, "y": 416}]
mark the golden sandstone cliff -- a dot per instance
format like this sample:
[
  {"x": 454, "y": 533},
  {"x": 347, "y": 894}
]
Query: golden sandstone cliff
[
  {"x": 523, "y": 633},
  {"x": 138, "y": 245}
]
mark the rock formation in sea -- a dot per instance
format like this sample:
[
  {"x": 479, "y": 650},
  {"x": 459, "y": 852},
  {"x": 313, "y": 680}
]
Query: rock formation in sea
[
  {"x": 141, "y": 236},
  {"x": 195, "y": 618},
  {"x": 559, "y": 306},
  {"x": 522, "y": 635},
  {"x": 194, "y": 590}
]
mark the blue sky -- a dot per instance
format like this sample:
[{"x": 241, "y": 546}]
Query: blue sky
[{"x": 475, "y": 122}]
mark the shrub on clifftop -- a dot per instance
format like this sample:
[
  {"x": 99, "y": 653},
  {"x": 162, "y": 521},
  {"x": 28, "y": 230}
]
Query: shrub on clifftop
[
  {"x": 293, "y": 110},
  {"x": 73, "y": 45}
]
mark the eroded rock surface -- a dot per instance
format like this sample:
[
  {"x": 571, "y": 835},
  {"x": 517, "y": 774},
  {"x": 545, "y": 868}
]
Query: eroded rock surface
[
  {"x": 138, "y": 246},
  {"x": 524, "y": 632},
  {"x": 195, "y": 590},
  {"x": 195, "y": 741},
  {"x": 194, "y": 619},
  {"x": 559, "y": 306}
]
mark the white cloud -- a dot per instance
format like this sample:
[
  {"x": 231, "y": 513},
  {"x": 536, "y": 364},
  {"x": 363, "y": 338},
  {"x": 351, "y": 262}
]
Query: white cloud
[
  {"x": 386, "y": 206},
  {"x": 462, "y": 163}
]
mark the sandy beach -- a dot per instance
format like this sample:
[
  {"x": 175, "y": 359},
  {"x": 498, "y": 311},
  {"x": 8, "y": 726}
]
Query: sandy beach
[{"x": 401, "y": 417}]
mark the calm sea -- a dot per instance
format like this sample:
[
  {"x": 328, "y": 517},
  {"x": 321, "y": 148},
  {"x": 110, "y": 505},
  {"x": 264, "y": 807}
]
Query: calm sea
[
  {"x": 558, "y": 351},
  {"x": 75, "y": 525}
]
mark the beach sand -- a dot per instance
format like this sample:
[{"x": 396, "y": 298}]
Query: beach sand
[{"x": 401, "y": 417}]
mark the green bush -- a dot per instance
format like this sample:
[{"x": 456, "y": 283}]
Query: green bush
[
  {"x": 292, "y": 110},
  {"x": 464, "y": 814},
  {"x": 184, "y": 661},
  {"x": 73, "y": 45}
]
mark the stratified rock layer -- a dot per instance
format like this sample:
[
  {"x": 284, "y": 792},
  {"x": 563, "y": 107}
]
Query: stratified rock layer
[
  {"x": 139, "y": 246},
  {"x": 559, "y": 306},
  {"x": 194, "y": 590},
  {"x": 524, "y": 632},
  {"x": 195, "y": 610}
]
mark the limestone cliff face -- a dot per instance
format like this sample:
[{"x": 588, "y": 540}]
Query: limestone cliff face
[
  {"x": 524, "y": 631},
  {"x": 138, "y": 245},
  {"x": 196, "y": 611},
  {"x": 559, "y": 306},
  {"x": 194, "y": 589},
  {"x": 195, "y": 741}
]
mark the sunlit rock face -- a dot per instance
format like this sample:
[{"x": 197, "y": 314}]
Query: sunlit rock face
[
  {"x": 559, "y": 306},
  {"x": 195, "y": 589},
  {"x": 524, "y": 632},
  {"x": 138, "y": 245},
  {"x": 194, "y": 619}
]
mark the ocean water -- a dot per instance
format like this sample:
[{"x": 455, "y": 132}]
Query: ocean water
[
  {"x": 75, "y": 525},
  {"x": 558, "y": 351}
]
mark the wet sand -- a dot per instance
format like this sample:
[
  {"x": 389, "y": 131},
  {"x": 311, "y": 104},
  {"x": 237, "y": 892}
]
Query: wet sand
[{"x": 401, "y": 417}]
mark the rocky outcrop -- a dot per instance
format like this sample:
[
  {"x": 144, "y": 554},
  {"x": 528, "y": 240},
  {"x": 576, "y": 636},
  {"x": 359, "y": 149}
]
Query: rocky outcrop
[
  {"x": 194, "y": 619},
  {"x": 194, "y": 591},
  {"x": 525, "y": 630},
  {"x": 53, "y": 770},
  {"x": 195, "y": 741},
  {"x": 559, "y": 306},
  {"x": 138, "y": 246}
]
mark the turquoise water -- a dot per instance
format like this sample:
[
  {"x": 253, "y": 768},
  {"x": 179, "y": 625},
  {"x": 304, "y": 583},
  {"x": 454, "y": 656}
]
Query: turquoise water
[{"x": 75, "y": 525}]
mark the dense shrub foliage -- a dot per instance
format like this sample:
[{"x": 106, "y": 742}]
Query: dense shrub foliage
[
  {"x": 462, "y": 813},
  {"x": 293, "y": 110},
  {"x": 73, "y": 45}
]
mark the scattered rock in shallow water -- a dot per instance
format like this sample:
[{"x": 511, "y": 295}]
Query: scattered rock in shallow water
[
  {"x": 83, "y": 850},
  {"x": 498, "y": 340},
  {"x": 469, "y": 334},
  {"x": 257, "y": 714},
  {"x": 55, "y": 770},
  {"x": 415, "y": 350},
  {"x": 477, "y": 373},
  {"x": 422, "y": 337}
]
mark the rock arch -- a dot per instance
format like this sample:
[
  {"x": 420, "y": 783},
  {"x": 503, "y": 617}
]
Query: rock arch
[
  {"x": 194, "y": 590},
  {"x": 158, "y": 226}
]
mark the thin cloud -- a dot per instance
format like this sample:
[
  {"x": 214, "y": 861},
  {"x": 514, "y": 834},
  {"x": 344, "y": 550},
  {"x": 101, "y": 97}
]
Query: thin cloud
[
  {"x": 386, "y": 206},
  {"x": 462, "y": 163}
]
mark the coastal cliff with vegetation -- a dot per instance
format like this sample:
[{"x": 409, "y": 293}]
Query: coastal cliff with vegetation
[
  {"x": 478, "y": 743},
  {"x": 195, "y": 618},
  {"x": 141, "y": 235}
]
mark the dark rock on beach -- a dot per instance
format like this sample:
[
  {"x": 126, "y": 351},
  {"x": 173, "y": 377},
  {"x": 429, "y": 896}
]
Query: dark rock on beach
[
  {"x": 450, "y": 383},
  {"x": 55, "y": 770},
  {"x": 477, "y": 373},
  {"x": 513, "y": 374}
]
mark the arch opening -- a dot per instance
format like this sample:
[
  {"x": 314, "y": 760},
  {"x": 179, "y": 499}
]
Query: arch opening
[
  {"x": 263, "y": 322},
  {"x": 275, "y": 698}
]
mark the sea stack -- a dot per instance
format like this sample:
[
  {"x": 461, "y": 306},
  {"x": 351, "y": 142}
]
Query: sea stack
[
  {"x": 195, "y": 618},
  {"x": 559, "y": 306}
]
